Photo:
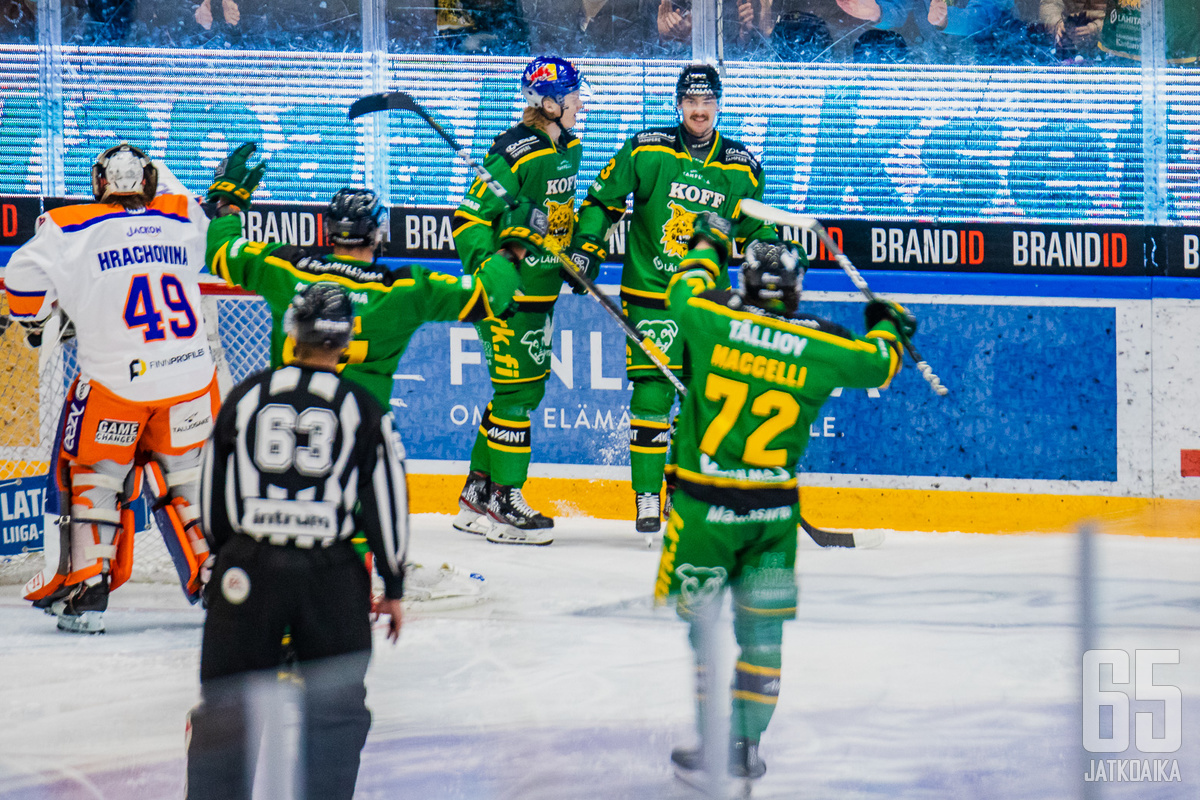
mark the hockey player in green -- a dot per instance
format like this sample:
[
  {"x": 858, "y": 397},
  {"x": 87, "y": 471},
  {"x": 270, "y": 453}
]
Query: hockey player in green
[
  {"x": 759, "y": 376},
  {"x": 536, "y": 160},
  {"x": 390, "y": 304},
  {"x": 673, "y": 173}
]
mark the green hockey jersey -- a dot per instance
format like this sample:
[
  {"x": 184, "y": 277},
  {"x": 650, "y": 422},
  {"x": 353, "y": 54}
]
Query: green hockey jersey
[
  {"x": 389, "y": 305},
  {"x": 528, "y": 165},
  {"x": 669, "y": 188},
  {"x": 758, "y": 383}
]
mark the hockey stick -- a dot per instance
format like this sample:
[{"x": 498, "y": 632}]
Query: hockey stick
[
  {"x": 779, "y": 216},
  {"x": 402, "y": 101}
]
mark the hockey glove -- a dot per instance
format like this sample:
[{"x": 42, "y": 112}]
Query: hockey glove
[
  {"x": 880, "y": 310},
  {"x": 713, "y": 228},
  {"x": 525, "y": 225},
  {"x": 588, "y": 255},
  {"x": 235, "y": 180}
]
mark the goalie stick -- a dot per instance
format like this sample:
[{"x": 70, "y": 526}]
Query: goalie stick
[
  {"x": 780, "y": 216},
  {"x": 402, "y": 101}
]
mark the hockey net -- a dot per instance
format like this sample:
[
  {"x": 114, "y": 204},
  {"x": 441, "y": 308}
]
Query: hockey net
[{"x": 33, "y": 389}]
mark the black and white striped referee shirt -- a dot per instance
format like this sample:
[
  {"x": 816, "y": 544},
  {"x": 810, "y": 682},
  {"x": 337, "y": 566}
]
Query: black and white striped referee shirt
[{"x": 294, "y": 452}]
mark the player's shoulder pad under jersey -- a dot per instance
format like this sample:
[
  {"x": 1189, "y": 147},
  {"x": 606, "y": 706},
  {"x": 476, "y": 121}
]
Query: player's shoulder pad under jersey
[
  {"x": 734, "y": 152},
  {"x": 820, "y": 324},
  {"x": 735, "y": 302},
  {"x": 359, "y": 273},
  {"x": 651, "y": 137},
  {"x": 518, "y": 142}
]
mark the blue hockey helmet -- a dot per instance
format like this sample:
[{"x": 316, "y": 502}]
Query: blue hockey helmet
[{"x": 549, "y": 76}]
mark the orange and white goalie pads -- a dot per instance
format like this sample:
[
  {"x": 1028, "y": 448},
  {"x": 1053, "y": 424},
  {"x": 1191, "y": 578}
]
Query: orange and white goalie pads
[{"x": 173, "y": 493}]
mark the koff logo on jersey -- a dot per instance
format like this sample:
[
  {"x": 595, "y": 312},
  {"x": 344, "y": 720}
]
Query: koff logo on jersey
[{"x": 694, "y": 194}]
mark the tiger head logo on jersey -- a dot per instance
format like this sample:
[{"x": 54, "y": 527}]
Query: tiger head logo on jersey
[
  {"x": 677, "y": 231},
  {"x": 562, "y": 223}
]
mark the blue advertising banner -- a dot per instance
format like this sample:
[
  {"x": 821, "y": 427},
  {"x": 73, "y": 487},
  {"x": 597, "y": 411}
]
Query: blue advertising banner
[
  {"x": 1033, "y": 396},
  {"x": 22, "y": 502}
]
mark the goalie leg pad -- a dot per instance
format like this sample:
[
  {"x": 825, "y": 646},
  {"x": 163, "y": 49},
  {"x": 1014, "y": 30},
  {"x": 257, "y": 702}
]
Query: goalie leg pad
[
  {"x": 95, "y": 517},
  {"x": 173, "y": 484}
]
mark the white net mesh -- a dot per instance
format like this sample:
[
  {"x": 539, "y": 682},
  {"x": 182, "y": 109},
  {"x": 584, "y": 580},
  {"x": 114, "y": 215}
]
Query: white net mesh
[{"x": 33, "y": 389}]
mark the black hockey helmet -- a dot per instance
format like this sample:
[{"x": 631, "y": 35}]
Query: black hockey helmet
[
  {"x": 698, "y": 79},
  {"x": 772, "y": 276},
  {"x": 123, "y": 172},
  {"x": 354, "y": 218},
  {"x": 321, "y": 314}
]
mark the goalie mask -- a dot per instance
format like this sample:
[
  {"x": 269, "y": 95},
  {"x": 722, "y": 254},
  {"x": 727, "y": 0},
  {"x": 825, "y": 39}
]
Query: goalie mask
[
  {"x": 124, "y": 174},
  {"x": 772, "y": 276},
  {"x": 354, "y": 218},
  {"x": 321, "y": 315}
]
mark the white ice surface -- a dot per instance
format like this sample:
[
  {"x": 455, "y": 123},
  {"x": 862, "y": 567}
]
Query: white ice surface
[{"x": 939, "y": 666}]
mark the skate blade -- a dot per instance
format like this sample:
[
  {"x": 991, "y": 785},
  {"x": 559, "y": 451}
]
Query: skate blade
[
  {"x": 87, "y": 622},
  {"x": 470, "y": 522},
  {"x": 721, "y": 788},
  {"x": 506, "y": 534}
]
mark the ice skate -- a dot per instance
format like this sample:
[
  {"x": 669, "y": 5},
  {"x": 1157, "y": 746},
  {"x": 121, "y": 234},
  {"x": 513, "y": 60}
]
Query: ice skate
[
  {"x": 648, "y": 515},
  {"x": 473, "y": 505},
  {"x": 445, "y": 583},
  {"x": 744, "y": 767},
  {"x": 514, "y": 521},
  {"x": 83, "y": 611}
]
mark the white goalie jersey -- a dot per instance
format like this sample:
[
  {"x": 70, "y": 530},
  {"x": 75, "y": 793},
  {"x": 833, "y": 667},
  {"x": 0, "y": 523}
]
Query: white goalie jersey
[{"x": 128, "y": 280}]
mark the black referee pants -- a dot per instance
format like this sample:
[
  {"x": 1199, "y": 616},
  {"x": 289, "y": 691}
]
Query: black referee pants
[{"x": 323, "y": 597}]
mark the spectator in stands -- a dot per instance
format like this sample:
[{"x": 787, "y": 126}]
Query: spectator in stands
[
  {"x": 229, "y": 11},
  {"x": 481, "y": 27},
  {"x": 747, "y": 25},
  {"x": 598, "y": 28},
  {"x": 986, "y": 31},
  {"x": 1074, "y": 24},
  {"x": 800, "y": 36},
  {"x": 18, "y": 21},
  {"x": 881, "y": 47}
]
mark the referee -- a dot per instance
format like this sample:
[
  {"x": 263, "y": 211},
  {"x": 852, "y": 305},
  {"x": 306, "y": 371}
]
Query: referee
[{"x": 298, "y": 461}]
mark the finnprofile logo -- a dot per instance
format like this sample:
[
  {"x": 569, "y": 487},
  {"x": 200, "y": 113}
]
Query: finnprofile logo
[{"x": 1108, "y": 721}]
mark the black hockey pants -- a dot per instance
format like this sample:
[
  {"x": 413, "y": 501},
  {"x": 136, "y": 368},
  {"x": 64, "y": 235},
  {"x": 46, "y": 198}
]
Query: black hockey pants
[{"x": 323, "y": 597}]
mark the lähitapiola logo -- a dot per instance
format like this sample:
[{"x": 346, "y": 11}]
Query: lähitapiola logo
[{"x": 1108, "y": 721}]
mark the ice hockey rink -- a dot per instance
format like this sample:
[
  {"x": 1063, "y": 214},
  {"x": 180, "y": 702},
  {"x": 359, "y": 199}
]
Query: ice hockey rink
[{"x": 937, "y": 666}]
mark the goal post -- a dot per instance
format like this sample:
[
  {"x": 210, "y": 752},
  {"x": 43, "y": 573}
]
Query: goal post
[{"x": 33, "y": 390}]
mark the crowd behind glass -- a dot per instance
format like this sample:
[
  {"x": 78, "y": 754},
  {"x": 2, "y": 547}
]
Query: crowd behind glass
[{"x": 999, "y": 32}]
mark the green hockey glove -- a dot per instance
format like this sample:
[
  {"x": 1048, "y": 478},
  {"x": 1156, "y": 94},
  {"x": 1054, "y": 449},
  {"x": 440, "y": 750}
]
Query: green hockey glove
[
  {"x": 713, "y": 228},
  {"x": 235, "y": 180},
  {"x": 879, "y": 310},
  {"x": 587, "y": 254},
  {"x": 525, "y": 225}
]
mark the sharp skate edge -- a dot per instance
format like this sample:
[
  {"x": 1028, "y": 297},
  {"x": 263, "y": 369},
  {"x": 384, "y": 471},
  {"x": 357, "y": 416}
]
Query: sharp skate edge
[{"x": 724, "y": 788}]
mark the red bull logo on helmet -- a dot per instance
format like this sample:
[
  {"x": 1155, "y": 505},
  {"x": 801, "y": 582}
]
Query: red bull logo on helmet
[{"x": 544, "y": 72}]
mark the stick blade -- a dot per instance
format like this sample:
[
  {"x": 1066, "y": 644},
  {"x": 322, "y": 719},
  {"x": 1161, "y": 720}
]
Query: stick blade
[
  {"x": 777, "y": 216},
  {"x": 382, "y": 101}
]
